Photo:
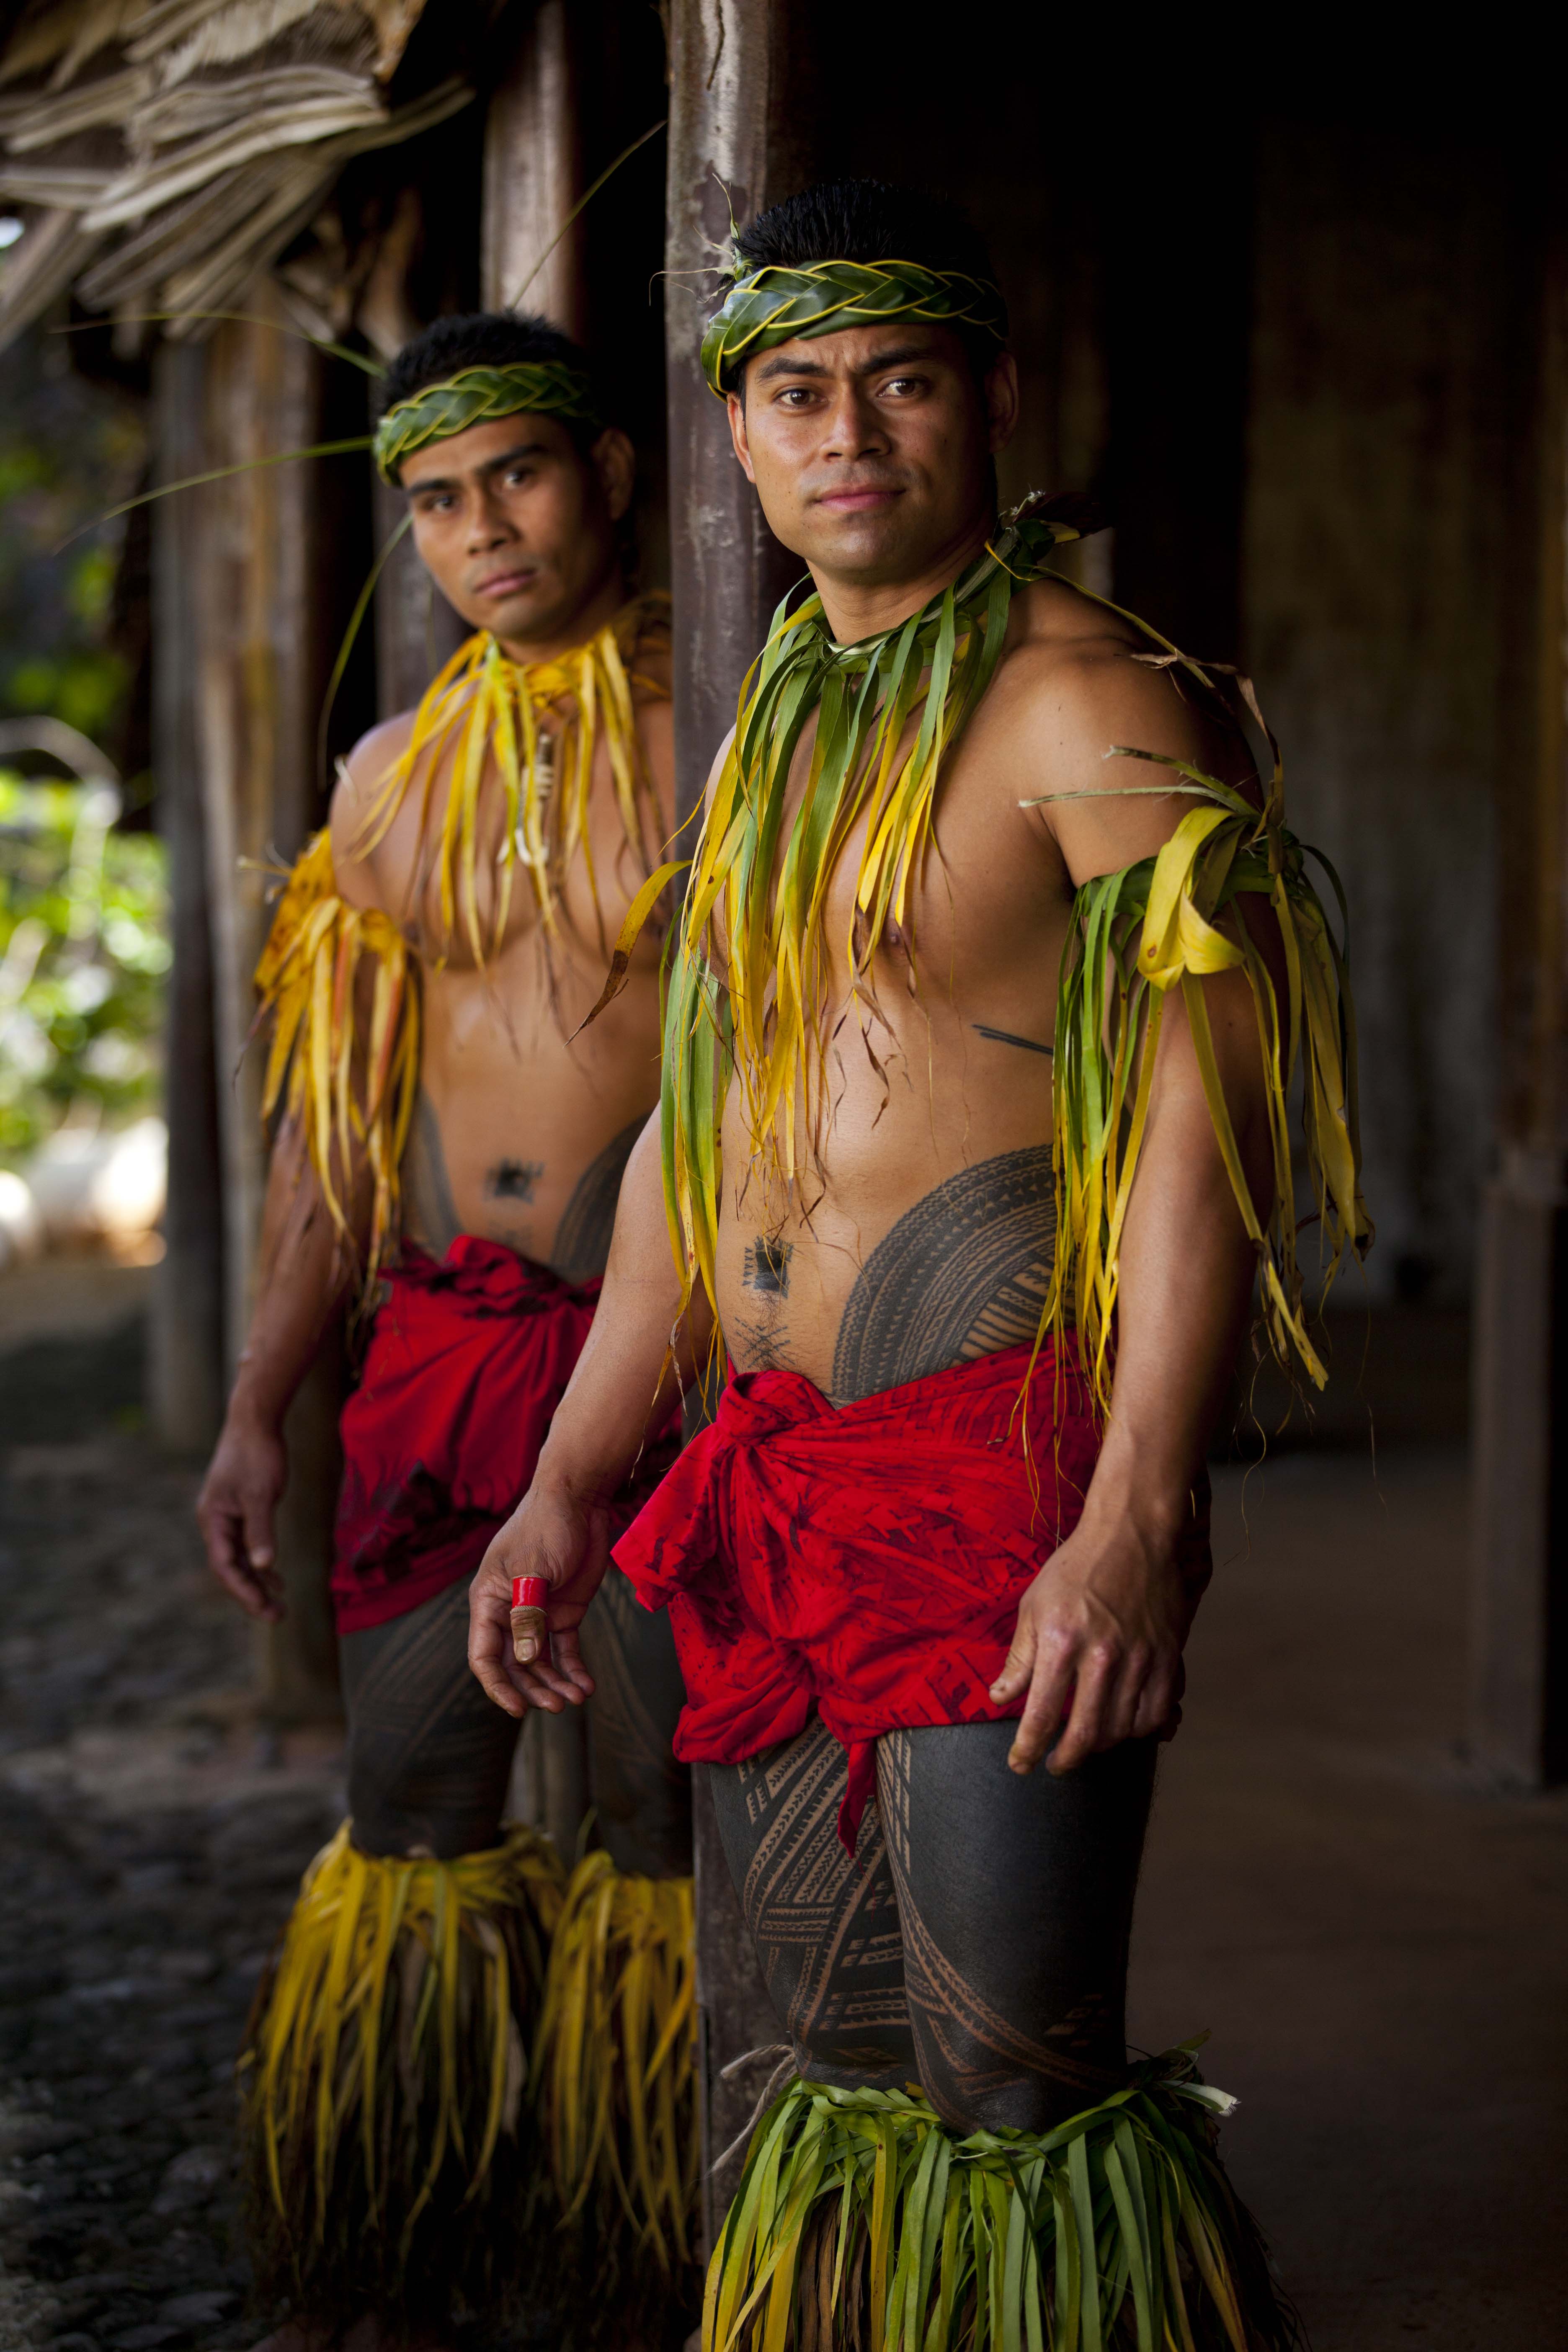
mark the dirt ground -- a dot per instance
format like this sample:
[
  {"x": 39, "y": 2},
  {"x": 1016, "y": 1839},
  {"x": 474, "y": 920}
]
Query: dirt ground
[{"x": 1375, "y": 1940}]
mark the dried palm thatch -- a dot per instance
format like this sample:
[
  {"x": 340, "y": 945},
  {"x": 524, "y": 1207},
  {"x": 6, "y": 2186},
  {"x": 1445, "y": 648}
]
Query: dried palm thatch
[
  {"x": 390, "y": 2148},
  {"x": 863, "y": 2221},
  {"x": 614, "y": 2077},
  {"x": 167, "y": 151}
]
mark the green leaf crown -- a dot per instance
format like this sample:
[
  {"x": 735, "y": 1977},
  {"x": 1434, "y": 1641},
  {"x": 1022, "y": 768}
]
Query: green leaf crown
[
  {"x": 532, "y": 387},
  {"x": 768, "y": 306}
]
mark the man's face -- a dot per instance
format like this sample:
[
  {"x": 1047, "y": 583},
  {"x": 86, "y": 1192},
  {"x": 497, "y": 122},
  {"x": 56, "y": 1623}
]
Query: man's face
[
  {"x": 516, "y": 530},
  {"x": 871, "y": 449}
]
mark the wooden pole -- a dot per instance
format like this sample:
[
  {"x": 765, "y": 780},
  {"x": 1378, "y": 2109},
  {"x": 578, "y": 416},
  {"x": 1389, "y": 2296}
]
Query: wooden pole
[
  {"x": 533, "y": 179},
  {"x": 1519, "y": 1618},
  {"x": 734, "y": 144},
  {"x": 257, "y": 673},
  {"x": 187, "y": 1356}
]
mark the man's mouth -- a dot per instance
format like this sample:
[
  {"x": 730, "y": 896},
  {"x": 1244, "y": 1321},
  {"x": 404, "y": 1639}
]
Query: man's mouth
[
  {"x": 505, "y": 583},
  {"x": 860, "y": 498}
]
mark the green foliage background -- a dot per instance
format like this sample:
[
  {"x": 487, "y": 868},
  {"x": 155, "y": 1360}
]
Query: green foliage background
[{"x": 83, "y": 944}]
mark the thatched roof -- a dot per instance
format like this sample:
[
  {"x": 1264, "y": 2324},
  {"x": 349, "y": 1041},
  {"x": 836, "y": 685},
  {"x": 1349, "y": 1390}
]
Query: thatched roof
[{"x": 163, "y": 151}]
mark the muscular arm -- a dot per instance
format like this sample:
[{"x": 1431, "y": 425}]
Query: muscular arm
[
  {"x": 1100, "y": 1631},
  {"x": 561, "y": 1530}
]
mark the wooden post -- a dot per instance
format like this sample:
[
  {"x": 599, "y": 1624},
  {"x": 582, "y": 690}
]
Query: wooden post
[
  {"x": 187, "y": 1356},
  {"x": 729, "y": 149},
  {"x": 1518, "y": 1624},
  {"x": 532, "y": 168},
  {"x": 258, "y": 674}
]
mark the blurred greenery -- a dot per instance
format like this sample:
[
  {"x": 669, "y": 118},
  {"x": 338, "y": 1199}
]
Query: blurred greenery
[{"x": 83, "y": 951}]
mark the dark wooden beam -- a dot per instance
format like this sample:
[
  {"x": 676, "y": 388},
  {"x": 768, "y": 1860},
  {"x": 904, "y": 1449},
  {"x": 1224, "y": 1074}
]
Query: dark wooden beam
[
  {"x": 736, "y": 145},
  {"x": 187, "y": 1353},
  {"x": 1518, "y": 1617}
]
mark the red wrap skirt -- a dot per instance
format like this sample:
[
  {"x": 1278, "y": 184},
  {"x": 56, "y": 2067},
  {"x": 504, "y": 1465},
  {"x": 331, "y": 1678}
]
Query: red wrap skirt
[
  {"x": 867, "y": 1561},
  {"x": 468, "y": 1358}
]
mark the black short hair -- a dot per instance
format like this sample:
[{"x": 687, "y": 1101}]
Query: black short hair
[
  {"x": 872, "y": 220},
  {"x": 487, "y": 338}
]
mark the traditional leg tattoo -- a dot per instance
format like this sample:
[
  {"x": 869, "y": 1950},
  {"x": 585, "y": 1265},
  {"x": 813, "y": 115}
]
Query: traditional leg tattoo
[
  {"x": 1015, "y": 1908},
  {"x": 825, "y": 1930},
  {"x": 582, "y": 1236},
  {"x": 429, "y": 1755},
  {"x": 427, "y": 1187},
  {"x": 642, "y": 1797},
  {"x": 963, "y": 1273}
]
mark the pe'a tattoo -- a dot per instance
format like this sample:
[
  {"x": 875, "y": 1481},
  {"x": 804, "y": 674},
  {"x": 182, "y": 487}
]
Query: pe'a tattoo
[
  {"x": 767, "y": 1267},
  {"x": 582, "y": 1236},
  {"x": 1006, "y": 1037},
  {"x": 961, "y": 1273},
  {"x": 427, "y": 1187}
]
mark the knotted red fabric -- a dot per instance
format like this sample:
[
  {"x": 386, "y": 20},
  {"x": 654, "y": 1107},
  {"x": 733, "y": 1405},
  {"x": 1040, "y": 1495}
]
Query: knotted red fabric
[
  {"x": 468, "y": 1357},
  {"x": 867, "y": 1561}
]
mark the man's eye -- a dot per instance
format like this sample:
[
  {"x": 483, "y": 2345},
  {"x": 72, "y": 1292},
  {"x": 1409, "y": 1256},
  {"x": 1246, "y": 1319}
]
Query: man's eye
[
  {"x": 516, "y": 476},
  {"x": 796, "y": 395},
  {"x": 904, "y": 384}
]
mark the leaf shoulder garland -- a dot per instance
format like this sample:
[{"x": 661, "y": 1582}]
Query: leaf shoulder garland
[
  {"x": 755, "y": 1020},
  {"x": 480, "y": 717}
]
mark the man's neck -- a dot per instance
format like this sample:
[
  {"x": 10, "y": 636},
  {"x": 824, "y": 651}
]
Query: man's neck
[
  {"x": 854, "y": 609},
  {"x": 590, "y": 617}
]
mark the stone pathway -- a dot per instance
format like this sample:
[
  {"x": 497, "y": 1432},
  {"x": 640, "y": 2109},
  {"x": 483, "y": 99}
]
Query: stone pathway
[{"x": 150, "y": 1839}]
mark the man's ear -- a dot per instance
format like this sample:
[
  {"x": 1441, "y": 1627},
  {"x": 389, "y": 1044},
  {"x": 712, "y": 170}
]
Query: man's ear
[
  {"x": 1002, "y": 402},
  {"x": 614, "y": 461},
  {"x": 737, "y": 407}
]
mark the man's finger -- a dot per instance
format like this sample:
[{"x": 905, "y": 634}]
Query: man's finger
[
  {"x": 1056, "y": 1664},
  {"x": 1156, "y": 1704},
  {"x": 1018, "y": 1665},
  {"x": 1086, "y": 1719},
  {"x": 1124, "y": 1697}
]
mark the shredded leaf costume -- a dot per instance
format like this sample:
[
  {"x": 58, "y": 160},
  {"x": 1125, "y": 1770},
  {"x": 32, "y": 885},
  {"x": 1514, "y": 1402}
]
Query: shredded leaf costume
[
  {"x": 862, "y": 2219},
  {"x": 751, "y": 1016},
  {"x": 486, "y": 723}
]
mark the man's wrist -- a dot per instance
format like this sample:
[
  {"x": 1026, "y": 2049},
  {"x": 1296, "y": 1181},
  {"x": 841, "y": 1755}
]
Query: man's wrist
[{"x": 1149, "y": 1501}]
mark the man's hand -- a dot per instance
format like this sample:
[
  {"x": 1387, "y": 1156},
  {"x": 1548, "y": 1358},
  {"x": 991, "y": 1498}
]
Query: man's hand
[
  {"x": 1099, "y": 1641},
  {"x": 236, "y": 1510},
  {"x": 568, "y": 1544}
]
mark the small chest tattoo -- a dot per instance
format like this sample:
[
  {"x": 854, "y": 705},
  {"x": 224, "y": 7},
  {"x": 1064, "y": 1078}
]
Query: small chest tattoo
[
  {"x": 513, "y": 1179},
  {"x": 767, "y": 1267}
]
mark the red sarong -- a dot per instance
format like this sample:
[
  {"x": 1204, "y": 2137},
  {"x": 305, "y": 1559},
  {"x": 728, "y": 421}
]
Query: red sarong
[
  {"x": 468, "y": 1358},
  {"x": 867, "y": 1561}
]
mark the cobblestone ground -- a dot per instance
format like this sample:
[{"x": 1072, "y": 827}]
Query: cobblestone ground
[{"x": 149, "y": 1843}]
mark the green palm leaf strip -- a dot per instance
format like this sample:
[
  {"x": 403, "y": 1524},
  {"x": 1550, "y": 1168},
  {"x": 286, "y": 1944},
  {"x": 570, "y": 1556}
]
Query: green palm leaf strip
[
  {"x": 755, "y": 963},
  {"x": 1117, "y": 2228}
]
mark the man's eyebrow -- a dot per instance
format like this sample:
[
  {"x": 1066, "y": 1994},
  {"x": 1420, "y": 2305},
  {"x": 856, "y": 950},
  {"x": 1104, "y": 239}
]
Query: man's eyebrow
[
  {"x": 491, "y": 466},
  {"x": 899, "y": 356}
]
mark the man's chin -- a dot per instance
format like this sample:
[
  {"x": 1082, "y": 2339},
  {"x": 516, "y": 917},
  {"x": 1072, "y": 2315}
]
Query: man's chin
[{"x": 531, "y": 616}]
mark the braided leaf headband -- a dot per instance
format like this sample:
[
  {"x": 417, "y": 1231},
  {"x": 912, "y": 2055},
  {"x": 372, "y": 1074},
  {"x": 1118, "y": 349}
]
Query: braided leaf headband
[
  {"x": 768, "y": 306},
  {"x": 537, "y": 387}
]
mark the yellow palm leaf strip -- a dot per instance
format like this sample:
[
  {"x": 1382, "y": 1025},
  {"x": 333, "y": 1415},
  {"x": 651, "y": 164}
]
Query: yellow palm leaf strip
[
  {"x": 350, "y": 1891},
  {"x": 438, "y": 709},
  {"x": 504, "y": 750}
]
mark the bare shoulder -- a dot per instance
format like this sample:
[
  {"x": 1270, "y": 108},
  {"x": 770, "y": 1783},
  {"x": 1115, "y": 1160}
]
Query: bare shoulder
[
  {"x": 1076, "y": 692},
  {"x": 355, "y": 796}
]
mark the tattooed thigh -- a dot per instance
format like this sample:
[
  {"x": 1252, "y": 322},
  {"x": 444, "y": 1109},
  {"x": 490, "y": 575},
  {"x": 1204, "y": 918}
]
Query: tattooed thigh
[
  {"x": 825, "y": 1928},
  {"x": 961, "y": 1273},
  {"x": 429, "y": 1755},
  {"x": 642, "y": 1797},
  {"x": 1016, "y": 1907}
]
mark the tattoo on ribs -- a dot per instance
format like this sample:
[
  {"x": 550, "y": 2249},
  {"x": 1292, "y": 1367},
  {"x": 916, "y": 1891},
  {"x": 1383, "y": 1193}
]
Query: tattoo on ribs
[
  {"x": 513, "y": 1179},
  {"x": 582, "y": 1236},
  {"x": 1006, "y": 1037},
  {"x": 963, "y": 1273},
  {"x": 767, "y": 1267}
]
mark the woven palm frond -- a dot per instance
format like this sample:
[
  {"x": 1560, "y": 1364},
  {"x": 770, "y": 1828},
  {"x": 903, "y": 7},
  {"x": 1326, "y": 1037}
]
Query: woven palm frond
[
  {"x": 863, "y": 2221},
  {"x": 389, "y": 2144}
]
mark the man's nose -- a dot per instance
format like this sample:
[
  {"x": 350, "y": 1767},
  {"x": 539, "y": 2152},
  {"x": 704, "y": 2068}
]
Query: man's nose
[
  {"x": 854, "y": 429},
  {"x": 488, "y": 522}
]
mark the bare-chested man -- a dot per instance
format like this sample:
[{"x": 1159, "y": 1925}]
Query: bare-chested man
[
  {"x": 433, "y": 954},
  {"x": 922, "y": 883}
]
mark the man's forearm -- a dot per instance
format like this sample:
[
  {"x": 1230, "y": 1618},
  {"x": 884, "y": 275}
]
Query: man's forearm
[{"x": 634, "y": 1360}]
